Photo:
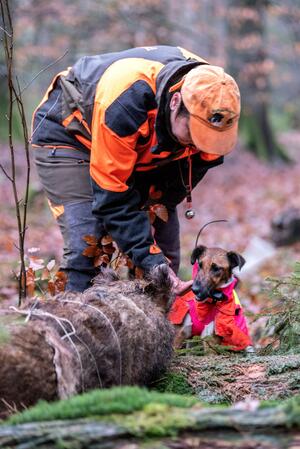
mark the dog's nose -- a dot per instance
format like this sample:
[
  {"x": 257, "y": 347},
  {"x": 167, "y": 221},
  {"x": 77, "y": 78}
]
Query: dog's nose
[{"x": 200, "y": 291}]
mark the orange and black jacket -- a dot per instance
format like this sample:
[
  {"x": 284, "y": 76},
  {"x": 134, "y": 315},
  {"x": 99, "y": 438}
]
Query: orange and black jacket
[{"x": 115, "y": 106}]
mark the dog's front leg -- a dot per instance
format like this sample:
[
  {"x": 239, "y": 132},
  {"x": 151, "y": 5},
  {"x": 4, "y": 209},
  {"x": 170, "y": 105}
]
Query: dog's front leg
[{"x": 183, "y": 331}]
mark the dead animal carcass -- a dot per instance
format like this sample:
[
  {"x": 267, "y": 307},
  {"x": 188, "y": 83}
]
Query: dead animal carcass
[{"x": 115, "y": 333}]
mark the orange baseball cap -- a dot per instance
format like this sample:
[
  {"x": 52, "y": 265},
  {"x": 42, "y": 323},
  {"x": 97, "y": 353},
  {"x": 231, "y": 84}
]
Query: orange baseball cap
[{"x": 212, "y": 98}]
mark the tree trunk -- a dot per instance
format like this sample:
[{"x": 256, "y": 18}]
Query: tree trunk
[
  {"x": 250, "y": 65},
  {"x": 112, "y": 334},
  {"x": 159, "y": 421}
]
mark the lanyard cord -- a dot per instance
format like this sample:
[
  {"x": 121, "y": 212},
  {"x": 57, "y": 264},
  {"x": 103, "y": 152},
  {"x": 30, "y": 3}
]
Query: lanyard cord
[{"x": 188, "y": 187}]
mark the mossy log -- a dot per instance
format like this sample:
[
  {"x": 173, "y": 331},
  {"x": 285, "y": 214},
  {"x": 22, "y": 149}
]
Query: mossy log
[
  {"x": 115, "y": 333},
  {"x": 134, "y": 418},
  {"x": 232, "y": 378}
]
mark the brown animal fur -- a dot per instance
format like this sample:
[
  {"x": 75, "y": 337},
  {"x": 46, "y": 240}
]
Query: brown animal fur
[
  {"x": 215, "y": 269},
  {"x": 121, "y": 337}
]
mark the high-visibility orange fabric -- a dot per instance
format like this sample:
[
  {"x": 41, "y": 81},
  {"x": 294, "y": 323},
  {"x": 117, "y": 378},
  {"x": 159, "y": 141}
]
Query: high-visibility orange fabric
[
  {"x": 115, "y": 105},
  {"x": 180, "y": 308},
  {"x": 114, "y": 158},
  {"x": 223, "y": 313}
]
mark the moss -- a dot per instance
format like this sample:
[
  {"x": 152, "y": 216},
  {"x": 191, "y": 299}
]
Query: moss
[
  {"x": 292, "y": 411},
  {"x": 211, "y": 396},
  {"x": 279, "y": 367},
  {"x": 294, "y": 381},
  {"x": 155, "y": 420},
  {"x": 118, "y": 400},
  {"x": 173, "y": 383},
  {"x": 63, "y": 444}
]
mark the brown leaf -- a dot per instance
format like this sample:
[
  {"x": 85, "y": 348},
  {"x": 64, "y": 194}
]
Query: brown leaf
[
  {"x": 90, "y": 240},
  {"x": 161, "y": 211},
  {"x": 92, "y": 251},
  {"x": 30, "y": 282},
  {"x": 51, "y": 287},
  {"x": 151, "y": 215},
  {"x": 60, "y": 281},
  {"x": 106, "y": 240}
]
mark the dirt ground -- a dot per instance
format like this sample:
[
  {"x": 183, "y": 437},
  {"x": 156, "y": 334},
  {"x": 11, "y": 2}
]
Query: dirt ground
[{"x": 246, "y": 192}]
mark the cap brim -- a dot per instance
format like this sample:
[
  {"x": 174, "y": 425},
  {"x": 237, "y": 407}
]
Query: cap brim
[{"x": 210, "y": 140}]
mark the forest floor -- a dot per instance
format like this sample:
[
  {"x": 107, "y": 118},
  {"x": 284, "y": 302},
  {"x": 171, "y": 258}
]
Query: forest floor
[{"x": 246, "y": 192}]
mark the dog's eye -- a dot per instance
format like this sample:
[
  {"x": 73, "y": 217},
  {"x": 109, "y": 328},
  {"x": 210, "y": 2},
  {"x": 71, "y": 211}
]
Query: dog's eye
[{"x": 214, "y": 268}]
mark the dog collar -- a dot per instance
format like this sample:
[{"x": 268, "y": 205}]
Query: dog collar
[
  {"x": 227, "y": 289},
  {"x": 229, "y": 282}
]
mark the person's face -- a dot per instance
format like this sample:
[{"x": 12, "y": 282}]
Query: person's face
[{"x": 179, "y": 122}]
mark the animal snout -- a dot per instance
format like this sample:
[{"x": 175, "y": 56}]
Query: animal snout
[{"x": 201, "y": 292}]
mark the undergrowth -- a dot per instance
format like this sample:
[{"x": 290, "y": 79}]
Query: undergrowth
[
  {"x": 284, "y": 317},
  {"x": 173, "y": 383}
]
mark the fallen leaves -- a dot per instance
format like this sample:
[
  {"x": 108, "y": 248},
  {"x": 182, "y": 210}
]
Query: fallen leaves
[
  {"x": 101, "y": 249},
  {"x": 158, "y": 210}
]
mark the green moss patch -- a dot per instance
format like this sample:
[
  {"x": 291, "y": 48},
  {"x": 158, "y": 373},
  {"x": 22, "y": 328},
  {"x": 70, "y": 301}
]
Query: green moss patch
[
  {"x": 117, "y": 400},
  {"x": 155, "y": 420},
  {"x": 173, "y": 383}
]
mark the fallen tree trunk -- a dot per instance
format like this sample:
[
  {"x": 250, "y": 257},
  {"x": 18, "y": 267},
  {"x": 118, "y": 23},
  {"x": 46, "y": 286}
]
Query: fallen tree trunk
[
  {"x": 115, "y": 333},
  {"x": 232, "y": 378},
  {"x": 137, "y": 418}
]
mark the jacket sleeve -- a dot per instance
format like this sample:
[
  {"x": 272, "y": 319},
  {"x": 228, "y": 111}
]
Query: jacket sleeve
[
  {"x": 129, "y": 226},
  {"x": 117, "y": 124}
]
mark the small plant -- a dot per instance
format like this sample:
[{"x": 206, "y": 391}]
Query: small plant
[
  {"x": 42, "y": 276},
  {"x": 284, "y": 317}
]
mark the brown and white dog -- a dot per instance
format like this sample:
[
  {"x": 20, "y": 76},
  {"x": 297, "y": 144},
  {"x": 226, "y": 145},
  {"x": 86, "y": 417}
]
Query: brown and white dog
[{"x": 213, "y": 306}]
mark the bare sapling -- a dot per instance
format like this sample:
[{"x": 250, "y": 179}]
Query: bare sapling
[{"x": 15, "y": 102}]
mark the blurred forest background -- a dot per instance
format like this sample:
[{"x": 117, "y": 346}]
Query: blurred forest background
[{"x": 257, "y": 41}]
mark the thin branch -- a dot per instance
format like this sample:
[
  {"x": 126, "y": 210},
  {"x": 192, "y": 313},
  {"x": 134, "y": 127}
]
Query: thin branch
[
  {"x": 45, "y": 116},
  {"x": 8, "y": 44},
  {"x": 9, "y": 35},
  {"x": 5, "y": 173},
  {"x": 41, "y": 71}
]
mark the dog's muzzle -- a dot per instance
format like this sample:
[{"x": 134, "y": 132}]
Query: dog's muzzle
[{"x": 202, "y": 293}]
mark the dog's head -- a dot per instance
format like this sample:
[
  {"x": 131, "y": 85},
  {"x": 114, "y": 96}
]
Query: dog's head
[{"x": 214, "y": 269}]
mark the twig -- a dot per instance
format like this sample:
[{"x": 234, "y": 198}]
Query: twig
[
  {"x": 5, "y": 173},
  {"x": 41, "y": 71},
  {"x": 45, "y": 116},
  {"x": 21, "y": 210},
  {"x": 6, "y": 32}
]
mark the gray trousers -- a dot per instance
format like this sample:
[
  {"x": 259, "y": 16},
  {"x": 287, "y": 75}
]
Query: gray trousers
[{"x": 64, "y": 175}]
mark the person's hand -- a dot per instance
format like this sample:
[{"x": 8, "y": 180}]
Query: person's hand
[{"x": 179, "y": 287}]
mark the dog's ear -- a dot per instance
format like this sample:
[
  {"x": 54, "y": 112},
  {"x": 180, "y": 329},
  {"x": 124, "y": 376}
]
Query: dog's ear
[
  {"x": 235, "y": 259},
  {"x": 197, "y": 252}
]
